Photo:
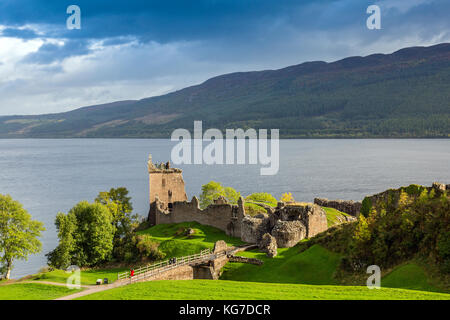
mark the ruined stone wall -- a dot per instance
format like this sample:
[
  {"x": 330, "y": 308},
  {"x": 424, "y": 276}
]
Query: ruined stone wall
[
  {"x": 225, "y": 217},
  {"x": 311, "y": 215},
  {"x": 179, "y": 273},
  {"x": 347, "y": 206},
  {"x": 316, "y": 222},
  {"x": 254, "y": 228},
  {"x": 289, "y": 224}
]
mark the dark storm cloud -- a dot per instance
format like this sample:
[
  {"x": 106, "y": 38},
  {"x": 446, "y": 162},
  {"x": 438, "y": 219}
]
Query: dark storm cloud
[
  {"x": 19, "y": 33},
  {"x": 50, "y": 52}
]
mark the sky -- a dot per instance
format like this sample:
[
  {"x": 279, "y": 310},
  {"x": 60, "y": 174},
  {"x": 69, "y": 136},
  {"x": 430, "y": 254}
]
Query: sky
[{"x": 135, "y": 49}]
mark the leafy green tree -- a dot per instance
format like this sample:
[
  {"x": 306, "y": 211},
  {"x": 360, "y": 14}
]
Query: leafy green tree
[
  {"x": 251, "y": 203},
  {"x": 213, "y": 190},
  {"x": 66, "y": 225},
  {"x": 231, "y": 195},
  {"x": 85, "y": 236},
  {"x": 262, "y": 197},
  {"x": 18, "y": 234},
  {"x": 119, "y": 204}
]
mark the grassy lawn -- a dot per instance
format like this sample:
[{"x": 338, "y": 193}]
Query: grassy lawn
[
  {"x": 87, "y": 276},
  {"x": 33, "y": 291},
  {"x": 237, "y": 290},
  {"x": 315, "y": 265},
  {"x": 408, "y": 276},
  {"x": 174, "y": 242},
  {"x": 332, "y": 215}
]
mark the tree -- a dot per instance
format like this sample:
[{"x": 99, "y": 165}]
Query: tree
[
  {"x": 85, "y": 234},
  {"x": 119, "y": 204},
  {"x": 251, "y": 203},
  {"x": 18, "y": 234},
  {"x": 213, "y": 190},
  {"x": 287, "y": 197},
  {"x": 263, "y": 197}
]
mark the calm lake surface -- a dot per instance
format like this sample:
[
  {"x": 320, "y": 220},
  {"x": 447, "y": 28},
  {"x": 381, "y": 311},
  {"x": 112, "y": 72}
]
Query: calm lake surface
[{"x": 48, "y": 176}]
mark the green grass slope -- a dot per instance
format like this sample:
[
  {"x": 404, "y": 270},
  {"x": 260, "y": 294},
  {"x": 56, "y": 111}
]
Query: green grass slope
[
  {"x": 315, "y": 265},
  {"x": 332, "y": 215},
  {"x": 236, "y": 290},
  {"x": 33, "y": 291},
  {"x": 408, "y": 276},
  {"x": 175, "y": 243}
]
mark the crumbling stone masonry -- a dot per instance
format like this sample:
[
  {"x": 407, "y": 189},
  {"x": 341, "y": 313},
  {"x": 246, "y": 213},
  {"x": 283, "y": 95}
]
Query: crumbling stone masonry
[
  {"x": 168, "y": 204},
  {"x": 347, "y": 206}
]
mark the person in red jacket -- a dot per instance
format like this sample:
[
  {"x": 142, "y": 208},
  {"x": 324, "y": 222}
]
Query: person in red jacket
[{"x": 132, "y": 272}]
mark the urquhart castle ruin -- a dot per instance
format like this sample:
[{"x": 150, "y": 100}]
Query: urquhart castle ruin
[
  {"x": 288, "y": 223},
  {"x": 283, "y": 226}
]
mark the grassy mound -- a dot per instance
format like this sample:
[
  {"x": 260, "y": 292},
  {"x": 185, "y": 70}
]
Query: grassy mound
[
  {"x": 237, "y": 290},
  {"x": 33, "y": 291},
  {"x": 175, "y": 243},
  {"x": 316, "y": 265},
  {"x": 332, "y": 215},
  {"x": 408, "y": 276}
]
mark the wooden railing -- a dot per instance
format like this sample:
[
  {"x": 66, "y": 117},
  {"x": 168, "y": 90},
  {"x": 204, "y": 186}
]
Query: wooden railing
[{"x": 163, "y": 266}]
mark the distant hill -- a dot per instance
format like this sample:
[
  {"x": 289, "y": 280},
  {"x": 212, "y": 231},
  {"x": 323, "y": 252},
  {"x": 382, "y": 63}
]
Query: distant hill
[{"x": 403, "y": 94}]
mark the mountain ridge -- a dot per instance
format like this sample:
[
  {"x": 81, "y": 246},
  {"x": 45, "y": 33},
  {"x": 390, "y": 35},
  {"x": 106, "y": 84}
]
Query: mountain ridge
[{"x": 404, "y": 94}]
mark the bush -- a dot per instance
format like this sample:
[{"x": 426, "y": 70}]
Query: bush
[
  {"x": 148, "y": 248},
  {"x": 443, "y": 247},
  {"x": 287, "y": 197},
  {"x": 366, "y": 207},
  {"x": 137, "y": 248}
]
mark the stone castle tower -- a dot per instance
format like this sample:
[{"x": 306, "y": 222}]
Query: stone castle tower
[{"x": 166, "y": 184}]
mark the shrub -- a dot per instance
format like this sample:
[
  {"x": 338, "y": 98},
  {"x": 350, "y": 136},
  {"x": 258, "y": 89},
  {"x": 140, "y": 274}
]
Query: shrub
[
  {"x": 148, "y": 248},
  {"x": 366, "y": 206},
  {"x": 287, "y": 197}
]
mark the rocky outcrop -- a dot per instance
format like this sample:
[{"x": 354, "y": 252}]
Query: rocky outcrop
[
  {"x": 268, "y": 244},
  {"x": 345, "y": 219},
  {"x": 288, "y": 233},
  {"x": 439, "y": 187},
  {"x": 347, "y": 206}
]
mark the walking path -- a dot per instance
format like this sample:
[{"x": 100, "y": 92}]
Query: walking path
[{"x": 94, "y": 289}]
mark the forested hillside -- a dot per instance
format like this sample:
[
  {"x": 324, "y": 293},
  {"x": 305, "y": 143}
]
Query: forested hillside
[{"x": 403, "y": 94}]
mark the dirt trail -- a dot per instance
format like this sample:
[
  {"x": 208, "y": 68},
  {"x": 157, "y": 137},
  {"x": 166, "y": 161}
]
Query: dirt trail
[{"x": 94, "y": 289}]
